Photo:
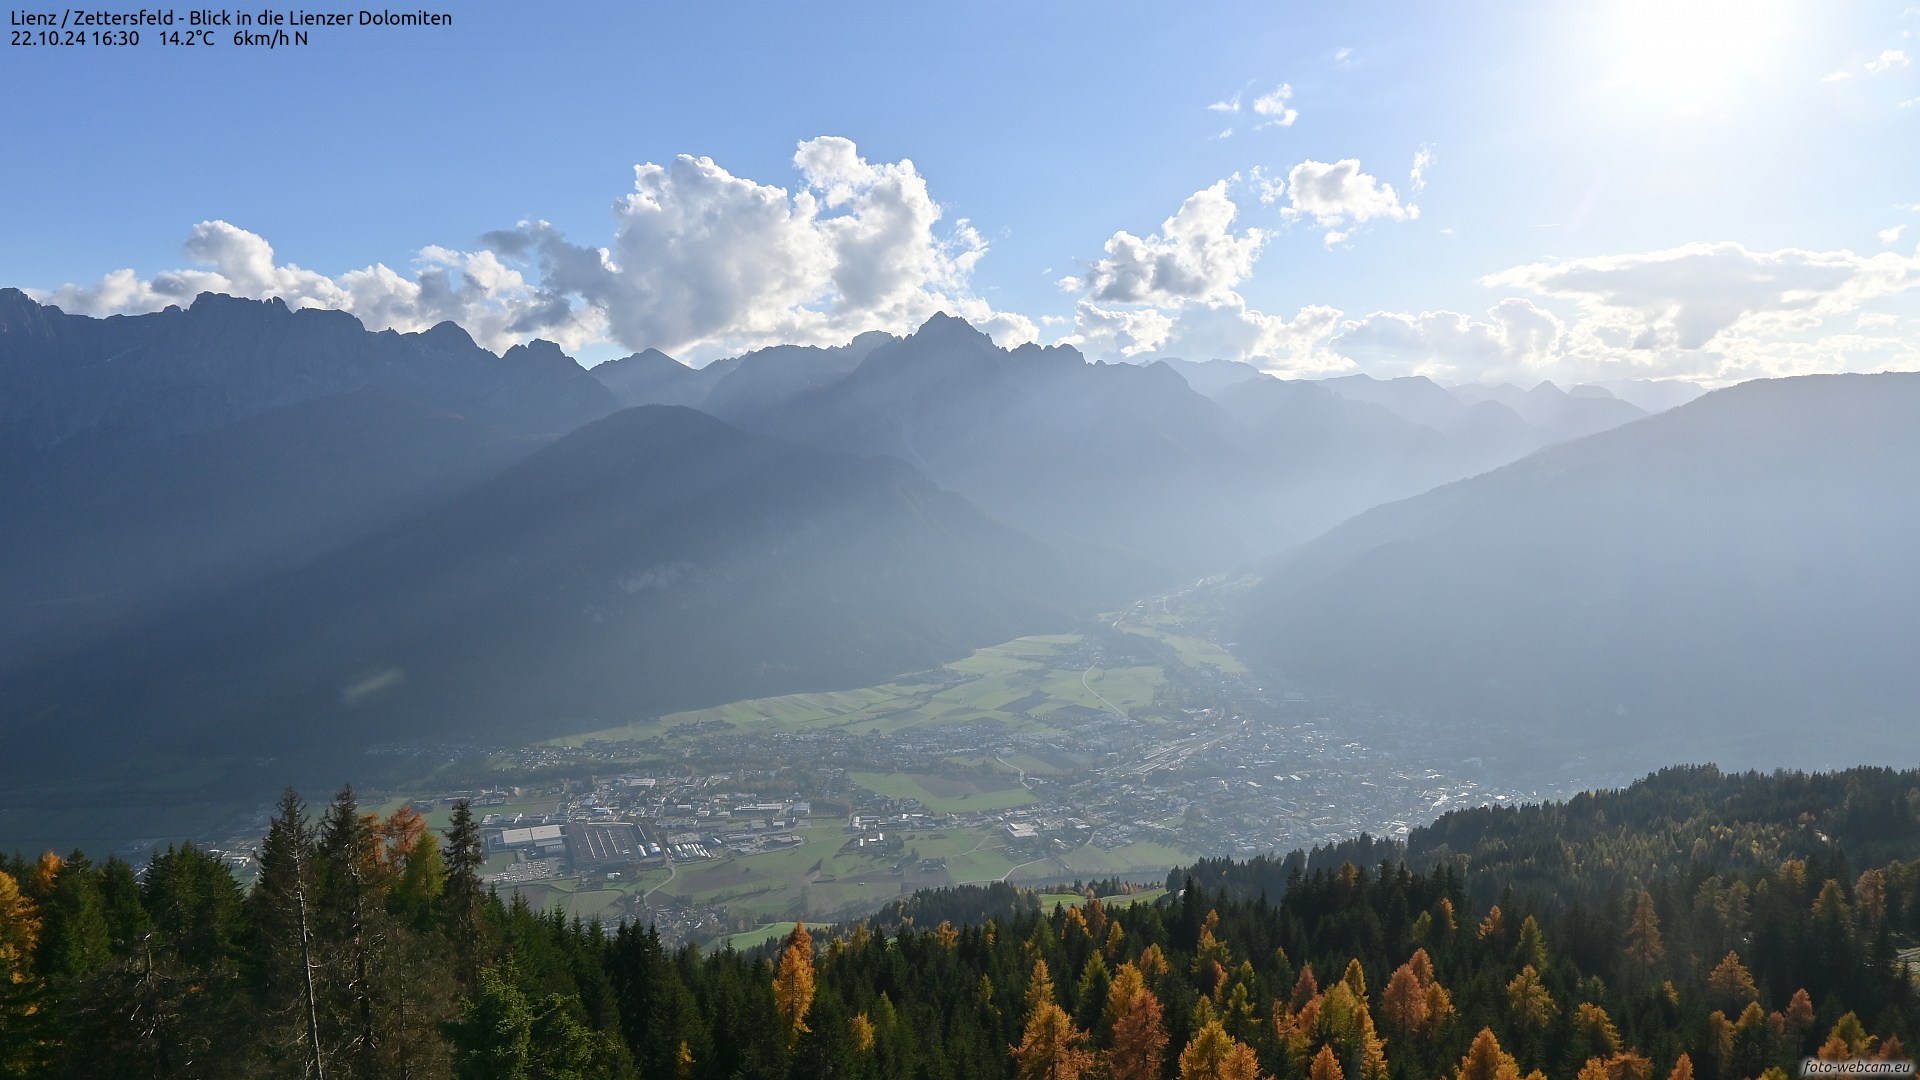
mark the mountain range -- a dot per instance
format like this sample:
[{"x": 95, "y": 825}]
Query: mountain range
[
  {"x": 146, "y": 461},
  {"x": 1175, "y": 468},
  {"x": 1731, "y": 580},
  {"x": 243, "y": 525}
]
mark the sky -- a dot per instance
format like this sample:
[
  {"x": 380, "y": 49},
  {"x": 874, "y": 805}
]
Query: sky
[{"x": 1708, "y": 190}]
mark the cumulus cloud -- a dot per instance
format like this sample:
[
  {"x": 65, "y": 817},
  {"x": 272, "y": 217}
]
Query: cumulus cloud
[
  {"x": 1891, "y": 236},
  {"x": 1196, "y": 255},
  {"x": 491, "y": 300},
  {"x": 1688, "y": 296},
  {"x": 1714, "y": 313},
  {"x": 1518, "y": 340},
  {"x": 1117, "y": 333},
  {"x": 1273, "y": 105},
  {"x": 1229, "y": 329},
  {"x": 1173, "y": 293},
  {"x": 1338, "y": 196},
  {"x": 701, "y": 262}
]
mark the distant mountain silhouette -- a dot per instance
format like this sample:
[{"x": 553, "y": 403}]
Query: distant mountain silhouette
[
  {"x": 1732, "y": 580},
  {"x": 654, "y": 560},
  {"x": 1125, "y": 458},
  {"x": 652, "y": 377}
]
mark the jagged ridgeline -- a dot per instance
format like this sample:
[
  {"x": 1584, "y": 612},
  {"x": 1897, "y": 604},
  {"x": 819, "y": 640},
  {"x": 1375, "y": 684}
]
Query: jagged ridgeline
[{"x": 1695, "y": 925}]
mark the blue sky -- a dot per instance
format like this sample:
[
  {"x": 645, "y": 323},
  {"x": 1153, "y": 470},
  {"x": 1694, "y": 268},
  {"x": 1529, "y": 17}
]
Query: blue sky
[{"x": 1685, "y": 188}]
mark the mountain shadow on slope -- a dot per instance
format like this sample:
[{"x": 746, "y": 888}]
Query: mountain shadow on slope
[
  {"x": 654, "y": 560},
  {"x": 149, "y": 460}
]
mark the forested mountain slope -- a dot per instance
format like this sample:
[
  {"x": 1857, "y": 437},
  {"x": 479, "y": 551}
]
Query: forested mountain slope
[{"x": 1678, "y": 933}]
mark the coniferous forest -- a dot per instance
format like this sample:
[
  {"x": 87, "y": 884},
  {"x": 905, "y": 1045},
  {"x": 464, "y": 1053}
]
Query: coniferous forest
[{"x": 1696, "y": 925}]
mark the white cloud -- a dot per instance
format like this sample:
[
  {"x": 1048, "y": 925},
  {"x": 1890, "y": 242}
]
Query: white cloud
[
  {"x": 1273, "y": 105},
  {"x": 1517, "y": 340},
  {"x": 1686, "y": 297},
  {"x": 1338, "y": 195},
  {"x": 1891, "y": 236},
  {"x": 1343, "y": 57},
  {"x": 1417, "y": 177},
  {"x": 1888, "y": 60},
  {"x": 1196, "y": 255},
  {"x": 1173, "y": 292},
  {"x": 490, "y": 299},
  {"x": 1108, "y": 333},
  {"x": 701, "y": 263},
  {"x": 1714, "y": 313},
  {"x": 704, "y": 261},
  {"x": 1229, "y": 329},
  {"x": 1226, "y": 105}
]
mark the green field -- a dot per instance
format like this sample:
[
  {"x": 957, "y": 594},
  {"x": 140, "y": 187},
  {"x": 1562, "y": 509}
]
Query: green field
[
  {"x": 817, "y": 880},
  {"x": 1195, "y": 652},
  {"x": 945, "y": 794},
  {"x": 1048, "y": 900},
  {"x": 769, "y": 932},
  {"x": 1017, "y": 683}
]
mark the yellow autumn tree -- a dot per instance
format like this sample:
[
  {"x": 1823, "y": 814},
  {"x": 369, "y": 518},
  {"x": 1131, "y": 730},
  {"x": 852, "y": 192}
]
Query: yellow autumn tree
[
  {"x": 1215, "y": 1055},
  {"x": 19, "y": 932},
  {"x": 20, "y": 925},
  {"x": 1039, "y": 988},
  {"x": 793, "y": 982},
  {"x": 1622, "y": 1066},
  {"x": 1848, "y": 1040},
  {"x": 1414, "y": 1004},
  {"x": 1486, "y": 1061},
  {"x": 1644, "y": 949},
  {"x": 1051, "y": 1048},
  {"x": 1594, "y": 1031},
  {"x": 1731, "y": 984},
  {"x": 1529, "y": 1004},
  {"x": 1404, "y": 1004},
  {"x": 862, "y": 1029},
  {"x": 1137, "y": 1021},
  {"x": 1325, "y": 1066},
  {"x": 1682, "y": 1069}
]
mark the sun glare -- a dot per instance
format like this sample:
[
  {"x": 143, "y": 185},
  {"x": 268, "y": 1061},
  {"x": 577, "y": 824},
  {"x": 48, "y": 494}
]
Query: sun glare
[{"x": 1694, "y": 54}]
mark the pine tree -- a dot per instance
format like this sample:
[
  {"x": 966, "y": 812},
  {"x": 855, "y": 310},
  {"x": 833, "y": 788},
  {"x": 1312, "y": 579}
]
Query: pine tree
[
  {"x": 352, "y": 922},
  {"x": 283, "y": 912},
  {"x": 463, "y": 895}
]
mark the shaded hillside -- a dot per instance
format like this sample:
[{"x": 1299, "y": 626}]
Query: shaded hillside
[
  {"x": 1731, "y": 580},
  {"x": 145, "y": 460},
  {"x": 653, "y": 560}
]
